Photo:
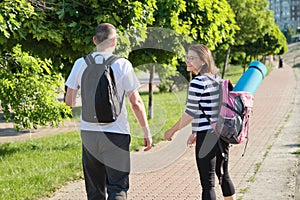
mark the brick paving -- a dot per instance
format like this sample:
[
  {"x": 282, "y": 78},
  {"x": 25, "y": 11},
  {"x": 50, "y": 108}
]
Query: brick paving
[{"x": 180, "y": 179}]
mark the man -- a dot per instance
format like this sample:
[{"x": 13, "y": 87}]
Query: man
[{"x": 105, "y": 147}]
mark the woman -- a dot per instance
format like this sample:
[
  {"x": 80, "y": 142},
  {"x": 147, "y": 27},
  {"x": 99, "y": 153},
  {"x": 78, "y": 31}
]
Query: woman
[{"x": 204, "y": 92}]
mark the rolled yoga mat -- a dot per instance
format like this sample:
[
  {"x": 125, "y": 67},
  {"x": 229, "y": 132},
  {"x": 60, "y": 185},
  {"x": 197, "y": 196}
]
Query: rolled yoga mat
[{"x": 252, "y": 78}]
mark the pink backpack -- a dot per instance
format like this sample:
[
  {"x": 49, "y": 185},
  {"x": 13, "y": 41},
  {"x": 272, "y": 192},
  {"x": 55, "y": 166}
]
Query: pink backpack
[{"x": 234, "y": 112}]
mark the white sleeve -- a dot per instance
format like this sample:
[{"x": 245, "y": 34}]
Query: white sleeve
[
  {"x": 130, "y": 81},
  {"x": 75, "y": 76}
]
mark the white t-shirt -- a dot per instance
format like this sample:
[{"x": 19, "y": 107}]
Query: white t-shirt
[{"x": 126, "y": 81}]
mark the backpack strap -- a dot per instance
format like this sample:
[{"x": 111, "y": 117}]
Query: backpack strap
[
  {"x": 111, "y": 59},
  {"x": 206, "y": 116},
  {"x": 213, "y": 79},
  {"x": 200, "y": 107},
  {"x": 247, "y": 136},
  {"x": 89, "y": 59},
  {"x": 224, "y": 155}
]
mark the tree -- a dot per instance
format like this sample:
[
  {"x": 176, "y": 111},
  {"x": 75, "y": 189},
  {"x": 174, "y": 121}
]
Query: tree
[
  {"x": 56, "y": 33},
  {"x": 63, "y": 30},
  {"x": 272, "y": 42},
  {"x": 289, "y": 32},
  {"x": 213, "y": 23},
  {"x": 29, "y": 89},
  {"x": 182, "y": 24},
  {"x": 257, "y": 27},
  {"x": 29, "y": 86}
]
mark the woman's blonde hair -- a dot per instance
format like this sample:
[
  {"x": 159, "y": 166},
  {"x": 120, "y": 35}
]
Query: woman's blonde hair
[{"x": 206, "y": 56}]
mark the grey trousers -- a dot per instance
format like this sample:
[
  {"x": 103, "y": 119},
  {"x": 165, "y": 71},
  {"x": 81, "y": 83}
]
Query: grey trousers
[{"x": 106, "y": 164}]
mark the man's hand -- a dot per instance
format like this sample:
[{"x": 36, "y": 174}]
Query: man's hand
[
  {"x": 147, "y": 142},
  {"x": 71, "y": 97},
  {"x": 138, "y": 108}
]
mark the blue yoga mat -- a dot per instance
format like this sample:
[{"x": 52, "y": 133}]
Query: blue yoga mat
[{"x": 252, "y": 78}]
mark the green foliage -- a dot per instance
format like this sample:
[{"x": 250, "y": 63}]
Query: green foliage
[
  {"x": 258, "y": 34},
  {"x": 60, "y": 31},
  {"x": 35, "y": 168},
  {"x": 167, "y": 15},
  {"x": 12, "y": 15},
  {"x": 29, "y": 89},
  {"x": 208, "y": 22},
  {"x": 272, "y": 43},
  {"x": 63, "y": 30},
  {"x": 288, "y": 33},
  {"x": 212, "y": 22},
  {"x": 183, "y": 23},
  {"x": 253, "y": 18}
]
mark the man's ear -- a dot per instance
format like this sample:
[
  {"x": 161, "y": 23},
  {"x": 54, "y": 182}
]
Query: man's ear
[
  {"x": 114, "y": 41},
  {"x": 95, "y": 40}
]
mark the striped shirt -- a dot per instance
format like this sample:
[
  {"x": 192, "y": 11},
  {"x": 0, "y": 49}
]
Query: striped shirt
[{"x": 203, "y": 91}]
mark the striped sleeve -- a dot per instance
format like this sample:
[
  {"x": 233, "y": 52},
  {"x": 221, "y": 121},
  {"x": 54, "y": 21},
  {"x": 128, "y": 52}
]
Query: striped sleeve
[
  {"x": 196, "y": 88},
  {"x": 204, "y": 92}
]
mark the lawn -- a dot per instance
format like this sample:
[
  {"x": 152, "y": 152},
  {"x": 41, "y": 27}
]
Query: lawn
[{"x": 37, "y": 167}]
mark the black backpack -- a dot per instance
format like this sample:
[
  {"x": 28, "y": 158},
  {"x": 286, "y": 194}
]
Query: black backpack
[{"x": 100, "y": 99}]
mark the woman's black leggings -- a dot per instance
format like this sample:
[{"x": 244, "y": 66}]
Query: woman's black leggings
[{"x": 210, "y": 161}]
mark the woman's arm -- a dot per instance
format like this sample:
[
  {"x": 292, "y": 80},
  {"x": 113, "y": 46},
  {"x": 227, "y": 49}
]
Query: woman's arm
[{"x": 182, "y": 122}]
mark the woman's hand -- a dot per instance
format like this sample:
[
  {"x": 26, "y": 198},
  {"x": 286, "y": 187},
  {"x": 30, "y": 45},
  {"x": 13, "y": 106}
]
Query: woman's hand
[
  {"x": 184, "y": 120},
  {"x": 169, "y": 134},
  {"x": 191, "y": 140}
]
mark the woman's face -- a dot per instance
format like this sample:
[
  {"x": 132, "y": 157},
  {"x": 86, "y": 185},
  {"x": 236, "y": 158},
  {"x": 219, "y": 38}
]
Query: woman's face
[{"x": 193, "y": 62}]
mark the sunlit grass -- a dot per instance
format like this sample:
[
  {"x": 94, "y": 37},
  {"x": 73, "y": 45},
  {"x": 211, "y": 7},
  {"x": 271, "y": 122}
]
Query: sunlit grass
[
  {"x": 234, "y": 73},
  {"x": 37, "y": 167}
]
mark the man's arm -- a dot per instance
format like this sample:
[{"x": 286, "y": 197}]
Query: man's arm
[
  {"x": 138, "y": 108},
  {"x": 71, "y": 97}
]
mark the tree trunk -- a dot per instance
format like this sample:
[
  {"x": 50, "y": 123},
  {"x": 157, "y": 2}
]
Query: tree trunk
[
  {"x": 245, "y": 64},
  {"x": 226, "y": 62},
  {"x": 150, "y": 104}
]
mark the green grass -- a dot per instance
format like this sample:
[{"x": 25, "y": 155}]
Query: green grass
[
  {"x": 234, "y": 73},
  {"x": 35, "y": 168},
  {"x": 297, "y": 152},
  {"x": 243, "y": 191}
]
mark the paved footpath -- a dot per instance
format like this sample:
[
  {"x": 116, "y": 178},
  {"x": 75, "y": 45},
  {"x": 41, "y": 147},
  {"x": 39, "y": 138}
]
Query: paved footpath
[{"x": 268, "y": 170}]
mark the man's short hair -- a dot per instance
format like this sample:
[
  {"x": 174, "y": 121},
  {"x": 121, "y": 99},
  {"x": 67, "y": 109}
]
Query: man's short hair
[{"x": 104, "y": 31}]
